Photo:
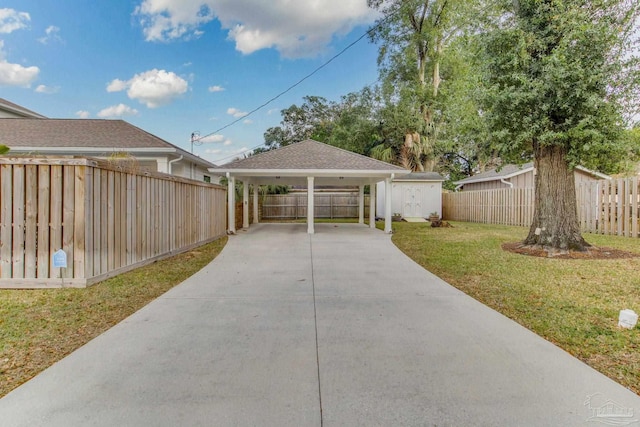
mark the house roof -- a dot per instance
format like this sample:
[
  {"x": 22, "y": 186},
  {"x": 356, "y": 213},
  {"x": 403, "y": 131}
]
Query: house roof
[
  {"x": 311, "y": 155},
  {"x": 18, "y": 109},
  {"x": 509, "y": 171},
  {"x": 421, "y": 176},
  {"x": 84, "y": 136},
  {"x": 293, "y": 163}
]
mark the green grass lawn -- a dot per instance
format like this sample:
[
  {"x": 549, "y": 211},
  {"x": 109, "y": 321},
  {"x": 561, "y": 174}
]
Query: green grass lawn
[
  {"x": 572, "y": 303},
  {"x": 40, "y": 327}
]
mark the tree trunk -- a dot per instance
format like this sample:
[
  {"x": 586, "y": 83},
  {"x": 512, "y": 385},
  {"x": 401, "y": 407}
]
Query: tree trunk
[{"x": 555, "y": 224}]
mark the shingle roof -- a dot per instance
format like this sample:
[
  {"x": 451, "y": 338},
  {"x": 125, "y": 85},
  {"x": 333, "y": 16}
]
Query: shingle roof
[
  {"x": 504, "y": 172},
  {"x": 18, "y": 109},
  {"x": 310, "y": 155},
  {"x": 421, "y": 176},
  {"x": 85, "y": 134},
  {"x": 76, "y": 133}
]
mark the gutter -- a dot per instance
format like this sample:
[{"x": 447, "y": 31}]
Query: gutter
[
  {"x": 171, "y": 162},
  {"x": 510, "y": 184}
]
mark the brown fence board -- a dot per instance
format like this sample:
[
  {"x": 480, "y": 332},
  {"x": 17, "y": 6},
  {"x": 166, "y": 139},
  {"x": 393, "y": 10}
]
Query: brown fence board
[
  {"x": 68, "y": 215},
  {"x": 6, "y": 220},
  {"x": 44, "y": 201},
  {"x": 31, "y": 221}
]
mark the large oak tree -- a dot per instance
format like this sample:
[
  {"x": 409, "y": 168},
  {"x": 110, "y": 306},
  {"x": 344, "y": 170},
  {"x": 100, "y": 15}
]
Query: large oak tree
[{"x": 560, "y": 75}]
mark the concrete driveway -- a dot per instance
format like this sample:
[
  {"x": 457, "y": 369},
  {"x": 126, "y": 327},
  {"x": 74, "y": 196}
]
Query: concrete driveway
[{"x": 335, "y": 329}]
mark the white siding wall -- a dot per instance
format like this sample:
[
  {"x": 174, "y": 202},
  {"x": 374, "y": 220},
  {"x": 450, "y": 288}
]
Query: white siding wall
[{"x": 411, "y": 198}]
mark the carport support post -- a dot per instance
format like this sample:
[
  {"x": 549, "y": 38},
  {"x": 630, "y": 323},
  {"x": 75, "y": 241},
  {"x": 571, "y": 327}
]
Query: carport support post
[
  {"x": 245, "y": 204},
  {"x": 256, "y": 220},
  {"x": 361, "y": 204},
  {"x": 231, "y": 198},
  {"x": 372, "y": 205},
  {"x": 310, "y": 207},
  {"x": 387, "y": 205}
]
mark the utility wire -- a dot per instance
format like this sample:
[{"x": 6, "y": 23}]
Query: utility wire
[{"x": 261, "y": 106}]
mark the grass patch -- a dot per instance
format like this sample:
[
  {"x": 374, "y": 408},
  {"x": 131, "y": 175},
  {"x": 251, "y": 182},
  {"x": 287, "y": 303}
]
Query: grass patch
[
  {"x": 572, "y": 303},
  {"x": 40, "y": 327}
]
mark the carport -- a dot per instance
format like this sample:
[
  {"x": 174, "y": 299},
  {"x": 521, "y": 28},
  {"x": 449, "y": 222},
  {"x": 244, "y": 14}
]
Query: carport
[{"x": 309, "y": 163}]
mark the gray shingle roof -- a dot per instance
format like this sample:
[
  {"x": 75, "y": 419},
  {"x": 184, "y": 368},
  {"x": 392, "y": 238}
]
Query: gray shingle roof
[
  {"x": 420, "y": 176},
  {"x": 76, "y": 133},
  {"x": 87, "y": 134},
  {"x": 505, "y": 171},
  {"x": 310, "y": 155}
]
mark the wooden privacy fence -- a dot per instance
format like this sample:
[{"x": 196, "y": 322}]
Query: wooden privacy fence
[
  {"x": 294, "y": 206},
  {"x": 509, "y": 206},
  {"x": 610, "y": 207},
  {"x": 106, "y": 219},
  {"x": 604, "y": 207}
]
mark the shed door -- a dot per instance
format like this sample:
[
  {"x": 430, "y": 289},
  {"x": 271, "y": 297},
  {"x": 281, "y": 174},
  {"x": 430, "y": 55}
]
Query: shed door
[{"x": 412, "y": 201}]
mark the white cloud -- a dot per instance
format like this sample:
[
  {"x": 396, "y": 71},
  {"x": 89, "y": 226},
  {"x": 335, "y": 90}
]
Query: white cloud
[
  {"x": 216, "y": 88},
  {"x": 232, "y": 111},
  {"x": 247, "y": 121},
  {"x": 83, "y": 114},
  {"x": 213, "y": 151},
  {"x": 153, "y": 88},
  {"x": 164, "y": 20},
  {"x": 295, "y": 28},
  {"x": 116, "y": 85},
  {"x": 212, "y": 138},
  {"x": 47, "y": 89},
  {"x": 15, "y": 74},
  {"x": 227, "y": 142},
  {"x": 12, "y": 20},
  {"x": 52, "y": 34},
  {"x": 118, "y": 111}
]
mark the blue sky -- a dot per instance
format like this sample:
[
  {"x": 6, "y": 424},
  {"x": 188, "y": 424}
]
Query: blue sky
[{"x": 173, "y": 67}]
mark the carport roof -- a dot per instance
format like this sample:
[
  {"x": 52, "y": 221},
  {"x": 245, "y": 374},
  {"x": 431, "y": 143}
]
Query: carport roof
[
  {"x": 311, "y": 158},
  {"x": 310, "y": 155}
]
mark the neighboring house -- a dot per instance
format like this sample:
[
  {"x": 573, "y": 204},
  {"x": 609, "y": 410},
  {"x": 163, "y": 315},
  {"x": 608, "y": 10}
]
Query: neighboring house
[
  {"x": 414, "y": 195},
  {"x": 514, "y": 176},
  {"x": 11, "y": 110},
  {"x": 106, "y": 139}
]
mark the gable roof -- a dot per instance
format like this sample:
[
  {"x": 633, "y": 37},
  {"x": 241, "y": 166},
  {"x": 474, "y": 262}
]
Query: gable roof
[
  {"x": 509, "y": 171},
  {"x": 310, "y": 155},
  {"x": 18, "y": 109},
  {"x": 84, "y": 135},
  {"x": 294, "y": 164}
]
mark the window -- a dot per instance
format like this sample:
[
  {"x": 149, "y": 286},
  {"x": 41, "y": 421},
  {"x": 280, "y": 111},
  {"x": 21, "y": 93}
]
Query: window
[{"x": 207, "y": 178}]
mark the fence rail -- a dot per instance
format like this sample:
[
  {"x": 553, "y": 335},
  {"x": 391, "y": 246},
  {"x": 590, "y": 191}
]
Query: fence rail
[
  {"x": 106, "y": 219},
  {"x": 294, "y": 206},
  {"x": 604, "y": 207}
]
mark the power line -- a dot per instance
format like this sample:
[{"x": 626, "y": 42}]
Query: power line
[{"x": 264, "y": 104}]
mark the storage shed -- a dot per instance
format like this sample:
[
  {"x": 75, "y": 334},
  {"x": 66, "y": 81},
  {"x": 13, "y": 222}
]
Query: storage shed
[{"x": 414, "y": 195}]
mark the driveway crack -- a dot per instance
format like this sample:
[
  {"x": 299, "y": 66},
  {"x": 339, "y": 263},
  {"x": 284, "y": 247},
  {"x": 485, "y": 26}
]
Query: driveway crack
[{"x": 315, "y": 321}]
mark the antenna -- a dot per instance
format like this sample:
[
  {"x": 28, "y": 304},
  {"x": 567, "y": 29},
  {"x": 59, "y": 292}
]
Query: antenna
[{"x": 195, "y": 139}]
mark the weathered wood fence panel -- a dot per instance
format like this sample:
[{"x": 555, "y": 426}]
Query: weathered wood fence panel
[
  {"x": 294, "y": 206},
  {"x": 511, "y": 206},
  {"x": 604, "y": 207},
  {"x": 107, "y": 220},
  {"x": 610, "y": 207}
]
